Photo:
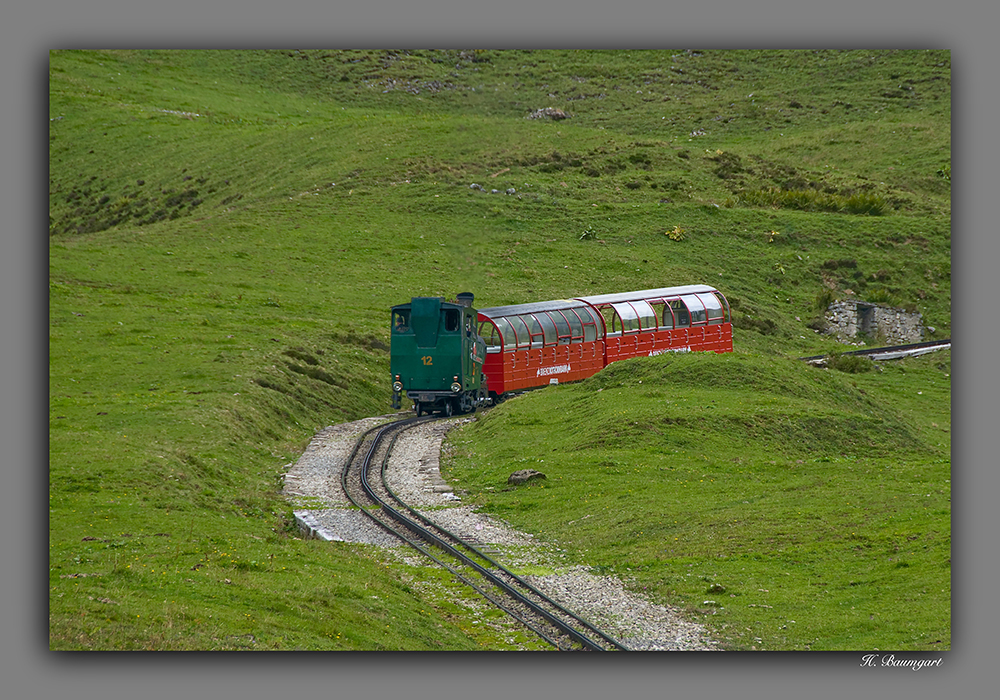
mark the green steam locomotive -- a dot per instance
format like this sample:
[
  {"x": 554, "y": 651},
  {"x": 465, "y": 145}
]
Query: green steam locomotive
[{"x": 437, "y": 356}]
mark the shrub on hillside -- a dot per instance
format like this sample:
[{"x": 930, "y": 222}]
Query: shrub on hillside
[{"x": 812, "y": 200}]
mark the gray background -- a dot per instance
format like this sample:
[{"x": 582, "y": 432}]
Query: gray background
[{"x": 28, "y": 32}]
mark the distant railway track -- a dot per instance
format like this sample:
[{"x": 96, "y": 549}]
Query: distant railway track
[
  {"x": 893, "y": 352},
  {"x": 364, "y": 483}
]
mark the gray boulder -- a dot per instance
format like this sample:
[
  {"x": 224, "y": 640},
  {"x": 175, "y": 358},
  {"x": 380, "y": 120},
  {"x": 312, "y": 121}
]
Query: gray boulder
[{"x": 523, "y": 476}]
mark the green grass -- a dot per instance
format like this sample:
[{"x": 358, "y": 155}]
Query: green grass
[
  {"x": 795, "y": 489},
  {"x": 228, "y": 230}
]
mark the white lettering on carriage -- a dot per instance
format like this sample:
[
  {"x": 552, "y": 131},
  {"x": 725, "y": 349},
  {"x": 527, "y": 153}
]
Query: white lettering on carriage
[
  {"x": 558, "y": 369},
  {"x": 660, "y": 352}
]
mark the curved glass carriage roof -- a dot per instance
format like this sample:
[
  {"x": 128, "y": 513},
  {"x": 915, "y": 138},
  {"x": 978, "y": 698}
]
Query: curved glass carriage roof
[
  {"x": 531, "y": 308},
  {"x": 541, "y": 323},
  {"x": 648, "y": 294},
  {"x": 692, "y": 304},
  {"x": 578, "y": 320}
]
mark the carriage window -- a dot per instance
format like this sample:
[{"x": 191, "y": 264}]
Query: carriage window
[
  {"x": 669, "y": 318},
  {"x": 509, "y": 339},
  {"x": 535, "y": 329},
  {"x": 696, "y": 308},
  {"x": 401, "y": 321},
  {"x": 726, "y": 315},
  {"x": 490, "y": 335},
  {"x": 681, "y": 316},
  {"x": 713, "y": 307},
  {"x": 628, "y": 315},
  {"x": 562, "y": 326},
  {"x": 575, "y": 324},
  {"x": 590, "y": 323},
  {"x": 647, "y": 317},
  {"x": 521, "y": 329},
  {"x": 612, "y": 324},
  {"x": 548, "y": 328},
  {"x": 663, "y": 316}
]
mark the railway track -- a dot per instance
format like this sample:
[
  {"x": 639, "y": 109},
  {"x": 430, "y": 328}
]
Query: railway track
[
  {"x": 893, "y": 352},
  {"x": 364, "y": 483}
]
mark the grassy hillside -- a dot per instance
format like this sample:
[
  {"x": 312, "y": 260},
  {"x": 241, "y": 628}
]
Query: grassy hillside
[
  {"x": 783, "y": 504},
  {"x": 228, "y": 229}
]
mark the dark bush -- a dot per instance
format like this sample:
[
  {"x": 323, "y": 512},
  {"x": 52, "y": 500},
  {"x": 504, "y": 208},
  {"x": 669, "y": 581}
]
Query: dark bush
[
  {"x": 824, "y": 299},
  {"x": 764, "y": 326},
  {"x": 837, "y": 264}
]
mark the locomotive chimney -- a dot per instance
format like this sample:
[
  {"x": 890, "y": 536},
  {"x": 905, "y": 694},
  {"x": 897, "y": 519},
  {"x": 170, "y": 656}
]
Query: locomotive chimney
[{"x": 465, "y": 299}]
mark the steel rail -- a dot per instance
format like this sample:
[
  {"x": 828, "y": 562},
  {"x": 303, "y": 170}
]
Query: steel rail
[
  {"x": 494, "y": 578},
  {"x": 490, "y": 576},
  {"x": 564, "y": 629},
  {"x": 901, "y": 350},
  {"x": 610, "y": 641},
  {"x": 419, "y": 547}
]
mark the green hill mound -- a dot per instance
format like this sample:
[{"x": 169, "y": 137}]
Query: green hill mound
[{"x": 782, "y": 404}]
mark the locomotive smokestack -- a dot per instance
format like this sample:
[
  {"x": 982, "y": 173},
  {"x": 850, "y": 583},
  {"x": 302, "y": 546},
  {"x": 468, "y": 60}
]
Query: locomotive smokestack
[{"x": 465, "y": 299}]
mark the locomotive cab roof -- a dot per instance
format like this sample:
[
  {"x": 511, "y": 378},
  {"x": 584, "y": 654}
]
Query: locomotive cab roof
[{"x": 439, "y": 301}]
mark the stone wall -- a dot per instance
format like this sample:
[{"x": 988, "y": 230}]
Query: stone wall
[{"x": 850, "y": 319}]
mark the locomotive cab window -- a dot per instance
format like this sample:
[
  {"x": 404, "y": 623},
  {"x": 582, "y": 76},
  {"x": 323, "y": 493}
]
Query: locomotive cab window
[
  {"x": 401, "y": 321},
  {"x": 452, "y": 320}
]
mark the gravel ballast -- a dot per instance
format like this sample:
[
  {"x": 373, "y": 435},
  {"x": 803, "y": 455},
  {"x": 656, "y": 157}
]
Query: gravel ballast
[{"x": 322, "y": 511}]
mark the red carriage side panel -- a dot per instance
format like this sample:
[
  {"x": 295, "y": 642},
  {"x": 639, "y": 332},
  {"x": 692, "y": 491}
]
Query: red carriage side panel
[
  {"x": 532, "y": 345},
  {"x": 670, "y": 319}
]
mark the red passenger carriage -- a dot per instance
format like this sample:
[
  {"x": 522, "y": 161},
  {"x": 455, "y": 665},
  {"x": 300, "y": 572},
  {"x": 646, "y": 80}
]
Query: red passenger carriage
[
  {"x": 530, "y": 345},
  {"x": 672, "y": 319}
]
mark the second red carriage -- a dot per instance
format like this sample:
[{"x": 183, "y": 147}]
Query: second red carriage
[{"x": 530, "y": 345}]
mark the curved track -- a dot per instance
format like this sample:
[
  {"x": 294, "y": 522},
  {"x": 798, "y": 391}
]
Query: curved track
[
  {"x": 364, "y": 483},
  {"x": 893, "y": 352}
]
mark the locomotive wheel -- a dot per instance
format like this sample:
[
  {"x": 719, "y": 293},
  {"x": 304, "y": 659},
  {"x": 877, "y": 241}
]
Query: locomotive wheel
[
  {"x": 466, "y": 404},
  {"x": 420, "y": 409},
  {"x": 448, "y": 409}
]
